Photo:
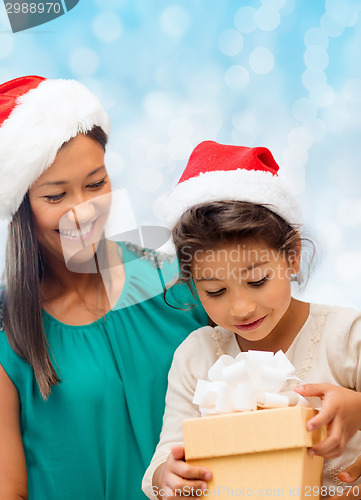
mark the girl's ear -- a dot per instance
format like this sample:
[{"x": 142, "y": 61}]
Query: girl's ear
[
  {"x": 294, "y": 258},
  {"x": 294, "y": 262}
]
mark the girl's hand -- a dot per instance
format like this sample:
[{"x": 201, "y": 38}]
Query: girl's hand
[
  {"x": 349, "y": 475},
  {"x": 179, "y": 479},
  {"x": 340, "y": 412}
]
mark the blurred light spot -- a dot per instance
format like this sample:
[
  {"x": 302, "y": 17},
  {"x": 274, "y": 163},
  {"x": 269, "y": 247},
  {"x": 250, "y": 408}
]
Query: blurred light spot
[
  {"x": 246, "y": 128},
  {"x": 236, "y": 77},
  {"x": 330, "y": 26},
  {"x": 311, "y": 78},
  {"x": 108, "y": 94},
  {"x": 245, "y": 19},
  {"x": 295, "y": 157},
  {"x": 267, "y": 18},
  {"x": 83, "y": 62},
  {"x": 158, "y": 105},
  {"x": 322, "y": 95},
  {"x": 113, "y": 162},
  {"x": 180, "y": 127},
  {"x": 349, "y": 212},
  {"x": 343, "y": 12},
  {"x": 304, "y": 110},
  {"x": 175, "y": 21},
  {"x": 346, "y": 177},
  {"x": 316, "y": 58},
  {"x": 230, "y": 42},
  {"x": 158, "y": 208},
  {"x": 180, "y": 148},
  {"x": 107, "y": 26},
  {"x": 4, "y": 20},
  {"x": 326, "y": 226},
  {"x": 213, "y": 121},
  {"x": 337, "y": 118},
  {"x": 7, "y": 45},
  {"x": 294, "y": 177},
  {"x": 288, "y": 8},
  {"x": 316, "y": 36},
  {"x": 150, "y": 179},
  {"x": 352, "y": 90},
  {"x": 158, "y": 156},
  {"x": 300, "y": 137},
  {"x": 261, "y": 60},
  {"x": 244, "y": 138},
  {"x": 348, "y": 265},
  {"x": 138, "y": 150},
  {"x": 277, "y": 4},
  {"x": 317, "y": 129},
  {"x": 246, "y": 121}
]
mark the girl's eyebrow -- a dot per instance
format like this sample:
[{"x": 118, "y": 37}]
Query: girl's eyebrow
[
  {"x": 59, "y": 183},
  {"x": 244, "y": 269},
  {"x": 253, "y": 266}
]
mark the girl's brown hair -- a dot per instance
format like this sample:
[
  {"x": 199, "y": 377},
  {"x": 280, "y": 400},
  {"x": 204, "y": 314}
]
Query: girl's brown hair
[
  {"x": 21, "y": 298},
  {"x": 210, "y": 225}
]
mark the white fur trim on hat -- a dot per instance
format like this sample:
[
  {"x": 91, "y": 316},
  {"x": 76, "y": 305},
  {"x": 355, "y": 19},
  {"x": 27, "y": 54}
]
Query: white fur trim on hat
[
  {"x": 259, "y": 187},
  {"x": 42, "y": 121}
]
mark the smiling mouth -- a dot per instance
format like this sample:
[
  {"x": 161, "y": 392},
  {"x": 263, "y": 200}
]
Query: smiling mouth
[
  {"x": 247, "y": 327},
  {"x": 74, "y": 234}
]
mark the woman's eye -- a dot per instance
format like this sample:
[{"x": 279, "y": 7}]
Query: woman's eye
[
  {"x": 215, "y": 294},
  {"x": 259, "y": 282},
  {"x": 97, "y": 185},
  {"x": 55, "y": 197}
]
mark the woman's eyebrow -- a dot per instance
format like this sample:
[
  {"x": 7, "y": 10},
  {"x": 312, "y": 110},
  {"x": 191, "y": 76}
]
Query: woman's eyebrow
[{"x": 58, "y": 183}]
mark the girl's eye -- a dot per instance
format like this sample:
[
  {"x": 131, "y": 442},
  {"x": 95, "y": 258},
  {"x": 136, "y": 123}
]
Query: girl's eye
[
  {"x": 97, "y": 185},
  {"x": 259, "y": 282},
  {"x": 55, "y": 197},
  {"x": 215, "y": 294}
]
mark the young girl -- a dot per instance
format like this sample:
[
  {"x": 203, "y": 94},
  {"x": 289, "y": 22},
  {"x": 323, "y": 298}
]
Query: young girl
[{"x": 236, "y": 233}]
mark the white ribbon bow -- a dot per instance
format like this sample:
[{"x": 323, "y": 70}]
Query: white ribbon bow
[{"x": 253, "y": 378}]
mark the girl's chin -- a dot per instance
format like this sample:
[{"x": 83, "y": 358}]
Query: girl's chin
[{"x": 251, "y": 338}]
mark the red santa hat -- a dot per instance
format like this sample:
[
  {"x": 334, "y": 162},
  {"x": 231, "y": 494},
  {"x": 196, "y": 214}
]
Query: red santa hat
[
  {"x": 37, "y": 116},
  {"x": 218, "y": 172}
]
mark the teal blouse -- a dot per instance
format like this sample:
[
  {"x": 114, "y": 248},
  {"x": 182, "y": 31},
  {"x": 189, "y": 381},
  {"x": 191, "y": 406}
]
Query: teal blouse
[{"x": 95, "y": 435}]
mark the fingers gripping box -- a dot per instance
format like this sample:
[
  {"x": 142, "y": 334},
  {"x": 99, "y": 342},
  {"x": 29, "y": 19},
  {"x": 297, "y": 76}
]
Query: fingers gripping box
[{"x": 256, "y": 453}]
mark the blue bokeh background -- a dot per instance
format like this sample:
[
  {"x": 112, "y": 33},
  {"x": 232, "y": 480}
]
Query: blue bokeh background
[{"x": 285, "y": 74}]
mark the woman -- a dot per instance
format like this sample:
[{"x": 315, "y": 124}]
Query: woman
[{"x": 87, "y": 339}]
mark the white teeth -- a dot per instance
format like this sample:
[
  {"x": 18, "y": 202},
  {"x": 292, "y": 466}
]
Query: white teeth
[{"x": 75, "y": 233}]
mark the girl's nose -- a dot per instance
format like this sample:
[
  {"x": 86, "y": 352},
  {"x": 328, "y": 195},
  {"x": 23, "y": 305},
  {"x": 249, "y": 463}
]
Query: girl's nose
[{"x": 242, "y": 307}]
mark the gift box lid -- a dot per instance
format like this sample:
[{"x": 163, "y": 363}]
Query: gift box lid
[{"x": 249, "y": 432}]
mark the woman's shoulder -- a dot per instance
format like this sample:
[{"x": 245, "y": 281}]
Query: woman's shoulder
[
  {"x": 154, "y": 257},
  {"x": 2, "y": 291}
]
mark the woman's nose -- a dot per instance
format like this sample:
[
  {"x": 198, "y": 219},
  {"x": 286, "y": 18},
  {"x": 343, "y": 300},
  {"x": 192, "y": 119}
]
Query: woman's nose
[{"x": 82, "y": 213}]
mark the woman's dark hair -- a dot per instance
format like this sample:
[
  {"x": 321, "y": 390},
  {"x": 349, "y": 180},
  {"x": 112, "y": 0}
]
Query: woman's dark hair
[
  {"x": 211, "y": 225},
  {"x": 25, "y": 269}
]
